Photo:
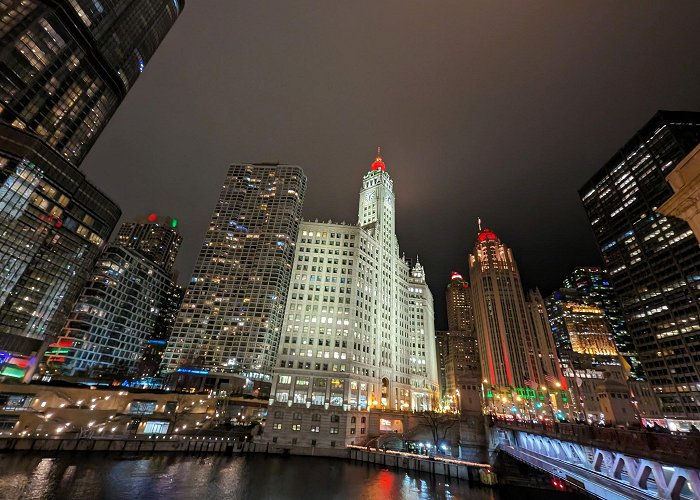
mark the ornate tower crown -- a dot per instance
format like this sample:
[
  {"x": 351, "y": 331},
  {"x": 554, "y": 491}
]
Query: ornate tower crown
[{"x": 378, "y": 162}]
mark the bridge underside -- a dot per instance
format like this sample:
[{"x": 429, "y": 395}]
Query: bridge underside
[{"x": 603, "y": 473}]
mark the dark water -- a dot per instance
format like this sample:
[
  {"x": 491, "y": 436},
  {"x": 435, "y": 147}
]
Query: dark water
[{"x": 91, "y": 476}]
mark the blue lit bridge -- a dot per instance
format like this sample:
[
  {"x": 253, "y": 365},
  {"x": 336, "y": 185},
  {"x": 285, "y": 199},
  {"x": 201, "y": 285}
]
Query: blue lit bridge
[{"x": 606, "y": 462}]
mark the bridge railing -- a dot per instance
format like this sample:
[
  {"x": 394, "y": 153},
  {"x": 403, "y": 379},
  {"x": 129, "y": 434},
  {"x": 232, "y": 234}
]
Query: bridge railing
[{"x": 676, "y": 449}]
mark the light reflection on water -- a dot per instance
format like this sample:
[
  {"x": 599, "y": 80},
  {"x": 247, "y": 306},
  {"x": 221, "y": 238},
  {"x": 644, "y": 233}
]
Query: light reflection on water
[{"x": 93, "y": 476}]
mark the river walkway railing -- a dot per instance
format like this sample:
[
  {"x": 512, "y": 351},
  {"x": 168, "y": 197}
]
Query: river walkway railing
[{"x": 432, "y": 464}]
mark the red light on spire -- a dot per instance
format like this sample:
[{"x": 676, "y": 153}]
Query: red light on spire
[
  {"x": 152, "y": 218},
  {"x": 487, "y": 234},
  {"x": 378, "y": 162},
  {"x": 456, "y": 276}
]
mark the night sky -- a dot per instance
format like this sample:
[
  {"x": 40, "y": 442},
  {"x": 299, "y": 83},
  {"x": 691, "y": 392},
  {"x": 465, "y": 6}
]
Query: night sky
[{"x": 498, "y": 110}]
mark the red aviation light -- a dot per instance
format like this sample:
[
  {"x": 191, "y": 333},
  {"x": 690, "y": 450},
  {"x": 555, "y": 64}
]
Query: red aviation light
[
  {"x": 455, "y": 276},
  {"x": 487, "y": 234},
  {"x": 378, "y": 162},
  {"x": 152, "y": 218}
]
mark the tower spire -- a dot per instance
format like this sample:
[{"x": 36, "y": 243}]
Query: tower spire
[
  {"x": 478, "y": 221},
  {"x": 378, "y": 162}
]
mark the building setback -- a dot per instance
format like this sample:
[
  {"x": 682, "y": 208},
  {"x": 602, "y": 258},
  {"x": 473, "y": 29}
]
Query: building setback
[
  {"x": 653, "y": 260},
  {"x": 231, "y": 316},
  {"x": 64, "y": 69}
]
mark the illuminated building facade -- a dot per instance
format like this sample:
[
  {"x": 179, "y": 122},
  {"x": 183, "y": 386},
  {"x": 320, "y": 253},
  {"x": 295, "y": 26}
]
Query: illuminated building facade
[
  {"x": 232, "y": 313},
  {"x": 515, "y": 341},
  {"x": 358, "y": 334},
  {"x": 359, "y": 330},
  {"x": 579, "y": 325},
  {"x": 595, "y": 287},
  {"x": 653, "y": 260},
  {"x": 64, "y": 69},
  {"x": 460, "y": 315},
  {"x": 121, "y": 308}
]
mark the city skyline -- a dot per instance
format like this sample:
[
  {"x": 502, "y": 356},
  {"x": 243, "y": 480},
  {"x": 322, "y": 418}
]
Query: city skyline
[{"x": 526, "y": 112}]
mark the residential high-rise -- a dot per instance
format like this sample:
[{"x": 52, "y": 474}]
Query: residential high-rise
[
  {"x": 232, "y": 313},
  {"x": 359, "y": 328},
  {"x": 120, "y": 309},
  {"x": 653, "y": 260},
  {"x": 460, "y": 315},
  {"x": 64, "y": 69},
  {"x": 516, "y": 347},
  {"x": 153, "y": 237}
]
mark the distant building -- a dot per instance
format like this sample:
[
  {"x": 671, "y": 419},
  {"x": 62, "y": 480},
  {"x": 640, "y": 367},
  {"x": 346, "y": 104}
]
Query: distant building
[
  {"x": 579, "y": 325},
  {"x": 121, "y": 308},
  {"x": 153, "y": 237},
  {"x": 232, "y": 313},
  {"x": 460, "y": 315},
  {"x": 66, "y": 67},
  {"x": 595, "y": 287},
  {"x": 653, "y": 259}
]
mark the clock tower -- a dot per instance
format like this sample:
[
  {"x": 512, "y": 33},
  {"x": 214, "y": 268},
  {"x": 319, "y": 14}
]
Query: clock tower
[{"x": 377, "y": 204}]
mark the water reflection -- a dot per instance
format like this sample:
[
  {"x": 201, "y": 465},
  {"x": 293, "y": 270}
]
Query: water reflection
[{"x": 88, "y": 476}]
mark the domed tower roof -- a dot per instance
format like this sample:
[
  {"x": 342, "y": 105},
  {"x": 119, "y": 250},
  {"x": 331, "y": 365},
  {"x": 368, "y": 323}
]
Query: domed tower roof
[{"x": 378, "y": 162}]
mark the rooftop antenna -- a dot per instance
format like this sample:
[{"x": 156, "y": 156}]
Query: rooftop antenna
[{"x": 478, "y": 221}]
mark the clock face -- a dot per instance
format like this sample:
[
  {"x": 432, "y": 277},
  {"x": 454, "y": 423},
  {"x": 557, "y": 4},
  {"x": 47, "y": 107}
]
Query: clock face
[
  {"x": 387, "y": 200},
  {"x": 369, "y": 196}
]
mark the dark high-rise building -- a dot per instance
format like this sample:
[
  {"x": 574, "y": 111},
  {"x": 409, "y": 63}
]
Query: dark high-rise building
[
  {"x": 232, "y": 313},
  {"x": 460, "y": 315},
  {"x": 65, "y": 66},
  {"x": 653, "y": 260},
  {"x": 53, "y": 223},
  {"x": 162, "y": 329},
  {"x": 154, "y": 237},
  {"x": 125, "y": 307}
]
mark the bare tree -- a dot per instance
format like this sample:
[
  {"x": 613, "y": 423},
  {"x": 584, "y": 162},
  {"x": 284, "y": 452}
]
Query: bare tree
[{"x": 438, "y": 424}]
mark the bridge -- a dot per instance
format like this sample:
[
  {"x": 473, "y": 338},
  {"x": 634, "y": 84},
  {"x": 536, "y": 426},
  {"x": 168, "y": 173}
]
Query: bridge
[{"x": 607, "y": 462}]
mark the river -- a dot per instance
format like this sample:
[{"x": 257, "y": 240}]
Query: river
[{"x": 86, "y": 476}]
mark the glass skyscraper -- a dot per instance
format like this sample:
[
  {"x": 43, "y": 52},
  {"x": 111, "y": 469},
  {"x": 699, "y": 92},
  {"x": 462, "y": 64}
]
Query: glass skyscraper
[
  {"x": 653, "y": 260},
  {"x": 231, "y": 316},
  {"x": 65, "y": 66}
]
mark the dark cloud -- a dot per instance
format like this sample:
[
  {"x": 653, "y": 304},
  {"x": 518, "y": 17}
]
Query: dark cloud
[{"x": 498, "y": 110}]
